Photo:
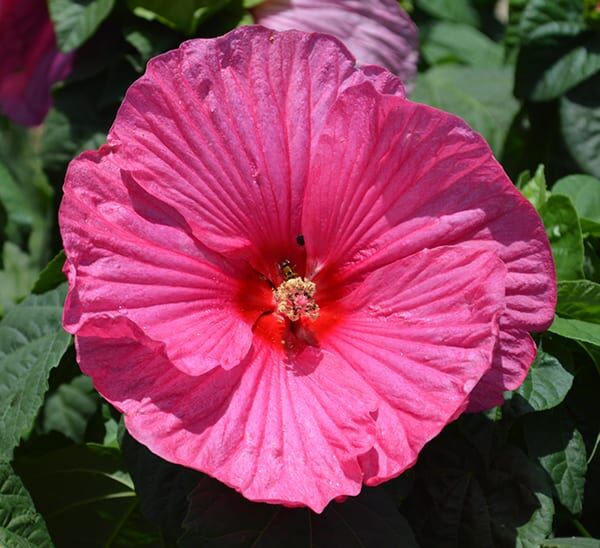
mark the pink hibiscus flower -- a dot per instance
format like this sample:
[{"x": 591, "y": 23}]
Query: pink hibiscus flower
[
  {"x": 376, "y": 32},
  {"x": 290, "y": 277},
  {"x": 30, "y": 63}
]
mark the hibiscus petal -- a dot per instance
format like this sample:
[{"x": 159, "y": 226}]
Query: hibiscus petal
[
  {"x": 222, "y": 130},
  {"x": 507, "y": 372},
  {"x": 421, "y": 332},
  {"x": 377, "y": 32},
  {"x": 280, "y": 431},
  {"x": 131, "y": 254},
  {"x": 420, "y": 178}
]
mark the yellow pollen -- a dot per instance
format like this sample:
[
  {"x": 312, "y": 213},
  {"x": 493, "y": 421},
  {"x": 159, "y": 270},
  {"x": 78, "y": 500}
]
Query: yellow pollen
[{"x": 294, "y": 299}]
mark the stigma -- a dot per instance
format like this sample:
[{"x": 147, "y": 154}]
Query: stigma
[{"x": 295, "y": 299}]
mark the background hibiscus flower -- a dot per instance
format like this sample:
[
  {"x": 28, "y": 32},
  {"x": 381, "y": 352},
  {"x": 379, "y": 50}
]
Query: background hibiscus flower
[
  {"x": 30, "y": 62},
  {"x": 377, "y": 32}
]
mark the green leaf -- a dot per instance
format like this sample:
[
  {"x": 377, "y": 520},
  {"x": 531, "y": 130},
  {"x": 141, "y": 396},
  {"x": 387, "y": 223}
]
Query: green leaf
[
  {"x": 535, "y": 189},
  {"x": 161, "y": 486},
  {"x": 16, "y": 201},
  {"x": 552, "y": 438},
  {"x": 218, "y": 516},
  {"x": 474, "y": 489},
  {"x": 17, "y": 277},
  {"x": 86, "y": 497},
  {"x": 76, "y": 20},
  {"x": 557, "y": 52},
  {"x": 456, "y": 11},
  {"x": 69, "y": 409},
  {"x": 564, "y": 233},
  {"x": 579, "y": 300},
  {"x": 457, "y": 43},
  {"x": 580, "y": 124},
  {"x": 149, "y": 41},
  {"x": 545, "y": 386},
  {"x": 32, "y": 342},
  {"x": 24, "y": 189},
  {"x": 483, "y": 97},
  {"x": 545, "y": 72},
  {"x": 585, "y": 332},
  {"x": 25, "y": 195},
  {"x": 111, "y": 428},
  {"x": 571, "y": 542},
  {"x": 20, "y": 524},
  {"x": 183, "y": 15},
  {"x": 584, "y": 192},
  {"x": 512, "y": 35},
  {"x": 544, "y": 19},
  {"x": 76, "y": 123},
  {"x": 52, "y": 276}
]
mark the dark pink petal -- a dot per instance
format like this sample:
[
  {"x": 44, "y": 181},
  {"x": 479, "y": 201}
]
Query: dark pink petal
[
  {"x": 130, "y": 254},
  {"x": 222, "y": 130},
  {"x": 377, "y": 32},
  {"x": 30, "y": 62},
  {"x": 278, "y": 430},
  {"x": 421, "y": 332},
  {"x": 508, "y": 372},
  {"x": 391, "y": 178}
]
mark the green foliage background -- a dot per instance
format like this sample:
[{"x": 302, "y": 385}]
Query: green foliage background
[{"x": 524, "y": 474}]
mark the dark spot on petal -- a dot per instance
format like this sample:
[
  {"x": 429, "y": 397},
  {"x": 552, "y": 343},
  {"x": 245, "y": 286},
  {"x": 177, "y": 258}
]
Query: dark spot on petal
[{"x": 300, "y": 239}]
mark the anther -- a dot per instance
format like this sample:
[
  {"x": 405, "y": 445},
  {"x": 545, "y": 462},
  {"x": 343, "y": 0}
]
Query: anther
[{"x": 294, "y": 299}]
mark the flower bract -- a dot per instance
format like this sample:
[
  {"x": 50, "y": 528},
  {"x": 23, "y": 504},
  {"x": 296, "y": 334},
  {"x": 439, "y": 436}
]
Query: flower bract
[{"x": 290, "y": 277}]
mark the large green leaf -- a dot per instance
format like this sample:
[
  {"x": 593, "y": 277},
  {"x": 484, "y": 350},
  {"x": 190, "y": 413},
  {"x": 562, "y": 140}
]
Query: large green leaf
[
  {"x": 512, "y": 35},
  {"x": 446, "y": 42},
  {"x": 475, "y": 489},
  {"x": 545, "y": 386},
  {"x": 545, "y": 72},
  {"x": 580, "y": 124},
  {"x": 579, "y": 300},
  {"x": 52, "y": 275},
  {"x": 26, "y": 197},
  {"x": 17, "y": 201},
  {"x": 161, "y": 486},
  {"x": 558, "y": 51},
  {"x": 32, "y": 342},
  {"x": 76, "y": 20},
  {"x": 564, "y": 232},
  {"x": 571, "y": 542},
  {"x": 20, "y": 524},
  {"x": 456, "y": 11},
  {"x": 183, "y": 15},
  {"x": 69, "y": 409},
  {"x": 77, "y": 122},
  {"x": 584, "y": 192},
  {"x": 544, "y": 19},
  {"x": 24, "y": 190},
  {"x": 218, "y": 516},
  {"x": 148, "y": 42},
  {"x": 483, "y": 97},
  {"x": 553, "y": 438},
  {"x": 16, "y": 277},
  {"x": 86, "y": 497},
  {"x": 585, "y": 332}
]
